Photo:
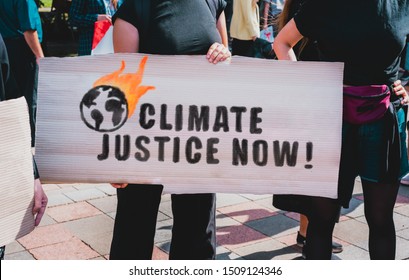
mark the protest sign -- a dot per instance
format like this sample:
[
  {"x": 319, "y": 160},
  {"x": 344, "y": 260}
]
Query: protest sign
[
  {"x": 16, "y": 165},
  {"x": 248, "y": 126}
]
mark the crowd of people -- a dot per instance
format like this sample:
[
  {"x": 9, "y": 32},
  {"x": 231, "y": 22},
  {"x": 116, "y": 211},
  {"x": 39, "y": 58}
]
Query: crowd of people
[{"x": 369, "y": 37}]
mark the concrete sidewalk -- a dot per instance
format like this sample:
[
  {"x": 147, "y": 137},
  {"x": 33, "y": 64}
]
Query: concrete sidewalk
[{"x": 79, "y": 221}]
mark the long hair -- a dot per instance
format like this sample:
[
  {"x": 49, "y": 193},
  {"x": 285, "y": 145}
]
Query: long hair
[{"x": 290, "y": 8}]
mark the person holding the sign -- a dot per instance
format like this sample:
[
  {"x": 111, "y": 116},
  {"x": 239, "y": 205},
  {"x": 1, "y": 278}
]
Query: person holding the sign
[
  {"x": 84, "y": 13},
  {"x": 40, "y": 198},
  {"x": 372, "y": 148},
  {"x": 160, "y": 27},
  {"x": 305, "y": 50}
]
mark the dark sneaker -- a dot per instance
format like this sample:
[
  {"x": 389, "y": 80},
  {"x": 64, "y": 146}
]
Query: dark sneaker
[
  {"x": 300, "y": 240},
  {"x": 337, "y": 248}
]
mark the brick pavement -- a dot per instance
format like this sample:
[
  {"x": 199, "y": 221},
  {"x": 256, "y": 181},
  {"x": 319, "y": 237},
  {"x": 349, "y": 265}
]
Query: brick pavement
[{"x": 79, "y": 221}]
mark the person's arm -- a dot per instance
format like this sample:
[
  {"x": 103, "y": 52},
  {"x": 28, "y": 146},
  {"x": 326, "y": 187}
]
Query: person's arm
[
  {"x": 219, "y": 52},
  {"x": 33, "y": 42},
  {"x": 401, "y": 92},
  {"x": 222, "y": 28},
  {"x": 40, "y": 201},
  {"x": 286, "y": 39},
  {"x": 125, "y": 37},
  {"x": 40, "y": 198}
]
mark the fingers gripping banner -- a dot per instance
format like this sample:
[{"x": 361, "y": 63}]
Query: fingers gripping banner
[{"x": 248, "y": 126}]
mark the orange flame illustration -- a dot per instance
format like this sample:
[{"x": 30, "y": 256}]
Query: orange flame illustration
[{"x": 128, "y": 83}]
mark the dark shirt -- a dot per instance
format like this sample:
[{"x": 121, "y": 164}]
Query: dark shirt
[
  {"x": 176, "y": 27},
  {"x": 369, "y": 36},
  {"x": 4, "y": 74},
  {"x": 83, "y": 14},
  {"x": 5, "y": 68}
]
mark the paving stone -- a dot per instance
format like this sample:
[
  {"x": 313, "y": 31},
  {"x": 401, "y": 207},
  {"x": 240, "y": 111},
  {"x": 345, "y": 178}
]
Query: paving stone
[
  {"x": 163, "y": 231},
  {"x": 404, "y": 190},
  {"x": 227, "y": 199},
  {"x": 225, "y": 254},
  {"x": 166, "y": 208},
  {"x": 254, "y": 197},
  {"x": 358, "y": 236},
  {"x": 401, "y": 221},
  {"x": 267, "y": 250},
  {"x": 237, "y": 236},
  {"x": 245, "y": 212},
  {"x": 105, "y": 204},
  {"x": 351, "y": 252},
  {"x": 164, "y": 246},
  {"x": 158, "y": 254},
  {"x": 50, "y": 187},
  {"x": 356, "y": 208},
  {"x": 267, "y": 203},
  {"x": 47, "y": 220},
  {"x": 111, "y": 214},
  {"x": 100, "y": 242},
  {"x": 225, "y": 221},
  {"x": 107, "y": 188},
  {"x": 73, "y": 211},
  {"x": 403, "y": 210},
  {"x": 81, "y": 195},
  {"x": 57, "y": 199},
  {"x": 72, "y": 249},
  {"x": 47, "y": 235},
  {"x": 402, "y": 248},
  {"x": 14, "y": 247},
  {"x": 404, "y": 235},
  {"x": 275, "y": 226},
  {"x": 90, "y": 227},
  {"x": 162, "y": 217},
  {"x": 94, "y": 231},
  {"x": 23, "y": 255}
]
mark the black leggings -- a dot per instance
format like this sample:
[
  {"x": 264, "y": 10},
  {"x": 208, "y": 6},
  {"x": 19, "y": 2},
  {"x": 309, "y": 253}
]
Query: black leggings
[
  {"x": 379, "y": 202},
  {"x": 193, "y": 230}
]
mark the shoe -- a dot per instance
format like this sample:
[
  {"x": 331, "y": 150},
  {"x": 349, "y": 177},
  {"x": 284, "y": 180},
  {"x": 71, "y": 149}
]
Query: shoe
[
  {"x": 300, "y": 240},
  {"x": 336, "y": 247},
  {"x": 303, "y": 252},
  {"x": 405, "y": 180}
]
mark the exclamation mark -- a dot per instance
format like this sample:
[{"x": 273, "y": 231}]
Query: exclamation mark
[{"x": 309, "y": 155}]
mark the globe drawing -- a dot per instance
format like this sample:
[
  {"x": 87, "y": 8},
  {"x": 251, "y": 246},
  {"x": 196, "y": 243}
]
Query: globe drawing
[{"x": 104, "y": 108}]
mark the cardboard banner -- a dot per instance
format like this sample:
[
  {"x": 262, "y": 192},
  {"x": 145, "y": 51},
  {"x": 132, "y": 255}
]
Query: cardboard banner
[
  {"x": 16, "y": 165},
  {"x": 248, "y": 126}
]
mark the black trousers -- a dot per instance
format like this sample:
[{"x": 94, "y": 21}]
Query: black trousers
[
  {"x": 243, "y": 47},
  {"x": 23, "y": 79},
  {"x": 193, "y": 231}
]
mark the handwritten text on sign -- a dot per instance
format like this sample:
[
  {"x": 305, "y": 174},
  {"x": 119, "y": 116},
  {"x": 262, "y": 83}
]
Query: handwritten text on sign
[{"x": 251, "y": 126}]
